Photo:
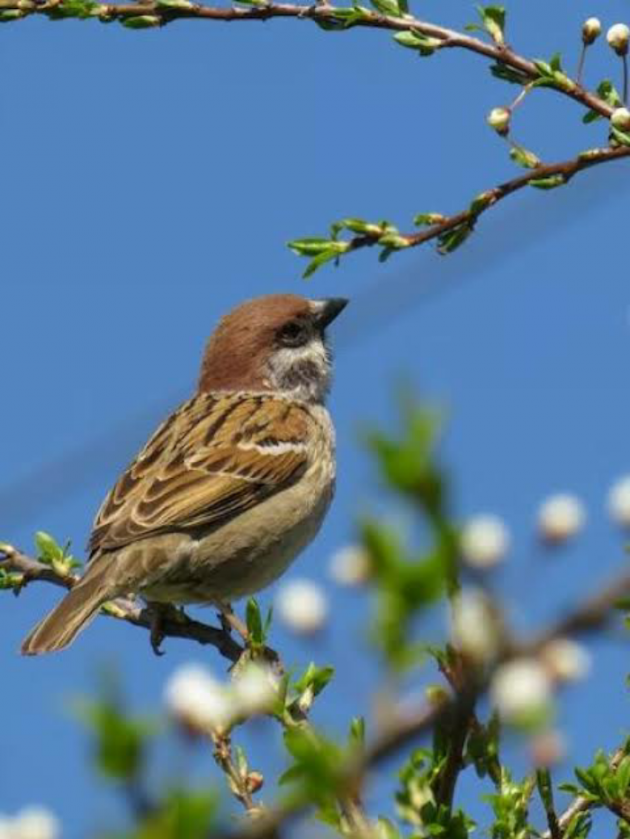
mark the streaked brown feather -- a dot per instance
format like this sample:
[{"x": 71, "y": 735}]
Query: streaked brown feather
[{"x": 216, "y": 456}]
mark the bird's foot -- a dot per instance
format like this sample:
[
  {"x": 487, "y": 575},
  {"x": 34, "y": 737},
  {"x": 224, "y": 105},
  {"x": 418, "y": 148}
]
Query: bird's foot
[{"x": 160, "y": 613}]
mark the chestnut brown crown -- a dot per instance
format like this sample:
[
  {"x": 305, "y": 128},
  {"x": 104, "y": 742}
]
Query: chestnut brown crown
[{"x": 268, "y": 342}]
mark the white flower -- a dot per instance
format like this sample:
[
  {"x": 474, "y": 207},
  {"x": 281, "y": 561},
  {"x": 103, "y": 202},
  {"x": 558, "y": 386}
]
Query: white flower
[
  {"x": 302, "y": 606},
  {"x": 484, "y": 541},
  {"x": 591, "y": 30},
  {"x": 619, "y": 501},
  {"x": 565, "y": 660},
  {"x": 350, "y": 566},
  {"x": 255, "y": 690},
  {"x": 197, "y": 700},
  {"x": 499, "y": 119},
  {"x": 520, "y": 689},
  {"x": 33, "y": 822},
  {"x": 560, "y": 517},
  {"x": 621, "y": 119},
  {"x": 618, "y": 36},
  {"x": 474, "y": 625}
]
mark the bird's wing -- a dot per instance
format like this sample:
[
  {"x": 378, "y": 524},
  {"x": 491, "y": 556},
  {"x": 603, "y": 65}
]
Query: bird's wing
[{"x": 215, "y": 457}]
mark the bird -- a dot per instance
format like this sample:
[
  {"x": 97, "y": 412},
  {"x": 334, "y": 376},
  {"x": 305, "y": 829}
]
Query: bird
[{"x": 231, "y": 487}]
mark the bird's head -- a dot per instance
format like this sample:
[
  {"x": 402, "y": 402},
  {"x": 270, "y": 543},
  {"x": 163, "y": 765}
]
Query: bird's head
[{"x": 277, "y": 342}]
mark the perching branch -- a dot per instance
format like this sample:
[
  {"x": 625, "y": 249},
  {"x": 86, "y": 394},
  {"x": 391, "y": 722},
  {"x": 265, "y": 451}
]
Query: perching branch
[{"x": 31, "y": 570}]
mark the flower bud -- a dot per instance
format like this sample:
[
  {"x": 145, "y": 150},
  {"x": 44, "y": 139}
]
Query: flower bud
[
  {"x": 560, "y": 517},
  {"x": 484, "y": 541},
  {"x": 619, "y": 502},
  {"x": 255, "y": 690},
  {"x": 621, "y": 119},
  {"x": 618, "y": 37},
  {"x": 521, "y": 690},
  {"x": 302, "y": 606},
  {"x": 499, "y": 119},
  {"x": 591, "y": 30},
  {"x": 254, "y": 782}
]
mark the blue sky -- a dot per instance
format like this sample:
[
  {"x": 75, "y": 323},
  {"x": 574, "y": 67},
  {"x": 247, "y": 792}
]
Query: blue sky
[{"x": 150, "y": 181}]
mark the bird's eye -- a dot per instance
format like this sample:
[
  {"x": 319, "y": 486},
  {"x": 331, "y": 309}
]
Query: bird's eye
[{"x": 293, "y": 334}]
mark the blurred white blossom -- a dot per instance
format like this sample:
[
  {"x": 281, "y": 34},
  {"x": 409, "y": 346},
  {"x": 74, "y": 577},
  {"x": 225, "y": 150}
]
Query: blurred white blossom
[
  {"x": 484, "y": 541},
  {"x": 520, "y": 689},
  {"x": 619, "y": 501},
  {"x": 566, "y": 660},
  {"x": 474, "y": 624},
  {"x": 560, "y": 517},
  {"x": 197, "y": 700},
  {"x": 617, "y": 37},
  {"x": 548, "y": 748},
  {"x": 350, "y": 566},
  {"x": 255, "y": 690},
  {"x": 33, "y": 822},
  {"x": 302, "y": 606}
]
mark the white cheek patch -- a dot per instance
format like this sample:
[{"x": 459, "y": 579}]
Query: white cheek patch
[{"x": 286, "y": 362}]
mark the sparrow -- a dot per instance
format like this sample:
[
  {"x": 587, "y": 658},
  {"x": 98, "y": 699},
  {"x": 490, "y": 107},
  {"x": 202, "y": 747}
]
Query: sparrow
[{"x": 231, "y": 487}]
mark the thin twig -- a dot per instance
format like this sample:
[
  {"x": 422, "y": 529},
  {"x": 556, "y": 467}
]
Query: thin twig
[
  {"x": 565, "y": 169},
  {"x": 326, "y": 14}
]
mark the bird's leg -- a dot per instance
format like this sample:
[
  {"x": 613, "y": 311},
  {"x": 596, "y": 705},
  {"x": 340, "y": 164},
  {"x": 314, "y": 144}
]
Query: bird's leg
[{"x": 230, "y": 621}]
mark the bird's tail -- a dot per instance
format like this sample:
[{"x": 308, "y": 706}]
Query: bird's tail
[{"x": 82, "y": 603}]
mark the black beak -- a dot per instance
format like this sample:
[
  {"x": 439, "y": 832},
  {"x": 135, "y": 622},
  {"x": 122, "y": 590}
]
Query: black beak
[{"x": 332, "y": 306}]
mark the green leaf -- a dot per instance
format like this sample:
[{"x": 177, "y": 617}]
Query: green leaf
[
  {"x": 81, "y": 9},
  {"x": 508, "y": 74},
  {"x": 387, "y": 7},
  {"x": 182, "y": 5},
  {"x": 551, "y": 182},
  {"x": 622, "y": 137},
  {"x": 412, "y": 39},
  {"x": 317, "y": 262},
  {"x": 141, "y": 22},
  {"x": 428, "y": 219},
  {"x": 315, "y": 678},
  {"x": 454, "y": 238},
  {"x": 254, "y": 622},
  {"x": 182, "y": 814},
  {"x": 493, "y": 20},
  {"x": 357, "y": 732},
  {"x": 8, "y": 15},
  {"x": 525, "y": 158}
]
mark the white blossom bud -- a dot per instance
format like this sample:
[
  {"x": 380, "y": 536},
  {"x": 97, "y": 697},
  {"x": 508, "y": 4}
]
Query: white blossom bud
[
  {"x": 302, "y": 606},
  {"x": 350, "y": 566},
  {"x": 520, "y": 690},
  {"x": 484, "y": 541},
  {"x": 255, "y": 690},
  {"x": 499, "y": 119},
  {"x": 619, "y": 501},
  {"x": 617, "y": 37},
  {"x": 197, "y": 700},
  {"x": 33, "y": 822},
  {"x": 548, "y": 748},
  {"x": 621, "y": 119},
  {"x": 591, "y": 30},
  {"x": 474, "y": 625},
  {"x": 560, "y": 517},
  {"x": 565, "y": 660}
]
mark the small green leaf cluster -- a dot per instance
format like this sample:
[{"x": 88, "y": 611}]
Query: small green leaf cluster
[
  {"x": 182, "y": 814},
  {"x": 604, "y": 783},
  {"x": 49, "y": 552},
  {"x": 416, "y": 799},
  {"x": 322, "y": 250},
  {"x": 551, "y": 74},
  {"x": 257, "y": 628},
  {"x": 510, "y": 805},
  {"x": 407, "y": 581}
]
